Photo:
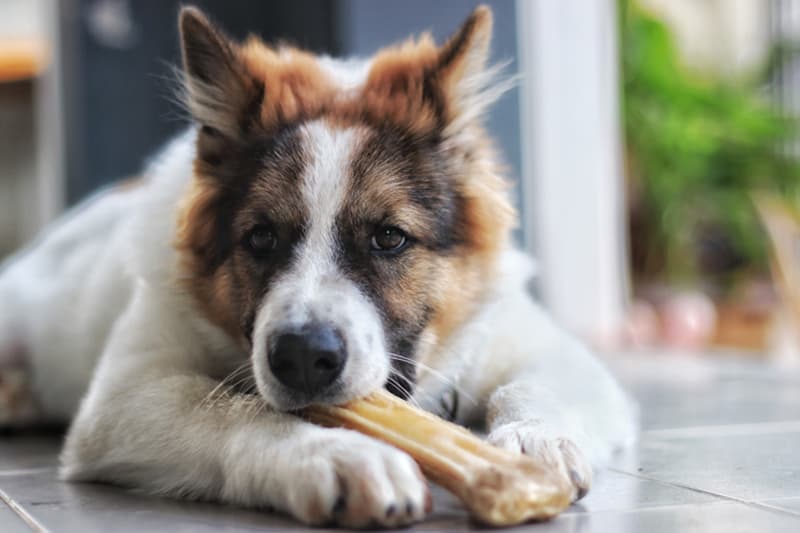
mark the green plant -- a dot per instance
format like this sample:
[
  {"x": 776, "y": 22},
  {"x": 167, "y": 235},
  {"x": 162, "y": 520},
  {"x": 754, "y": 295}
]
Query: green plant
[{"x": 697, "y": 148}]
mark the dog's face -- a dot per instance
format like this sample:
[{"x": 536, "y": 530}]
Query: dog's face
[{"x": 344, "y": 218}]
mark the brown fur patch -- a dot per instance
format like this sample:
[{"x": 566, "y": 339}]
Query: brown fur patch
[
  {"x": 400, "y": 87},
  {"x": 488, "y": 218},
  {"x": 295, "y": 88},
  {"x": 196, "y": 231},
  {"x": 452, "y": 204},
  {"x": 447, "y": 192},
  {"x": 227, "y": 198},
  {"x": 413, "y": 84}
]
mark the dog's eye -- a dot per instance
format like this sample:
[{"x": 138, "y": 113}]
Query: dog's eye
[
  {"x": 261, "y": 240},
  {"x": 388, "y": 239}
]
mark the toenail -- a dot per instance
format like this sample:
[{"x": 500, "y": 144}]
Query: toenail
[
  {"x": 340, "y": 504},
  {"x": 576, "y": 480}
]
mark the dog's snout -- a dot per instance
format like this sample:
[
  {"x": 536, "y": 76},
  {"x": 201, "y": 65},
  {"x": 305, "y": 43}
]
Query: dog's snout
[{"x": 308, "y": 359}]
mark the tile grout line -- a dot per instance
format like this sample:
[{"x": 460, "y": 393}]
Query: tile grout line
[
  {"x": 26, "y": 517},
  {"x": 749, "y": 503},
  {"x": 765, "y": 505},
  {"x": 725, "y": 430},
  {"x": 25, "y": 471}
]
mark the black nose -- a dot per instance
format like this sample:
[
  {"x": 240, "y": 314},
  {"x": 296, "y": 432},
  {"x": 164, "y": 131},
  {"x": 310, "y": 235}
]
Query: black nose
[{"x": 308, "y": 359}]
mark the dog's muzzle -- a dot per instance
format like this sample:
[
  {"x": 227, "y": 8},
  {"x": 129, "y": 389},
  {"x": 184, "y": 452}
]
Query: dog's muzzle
[{"x": 308, "y": 359}]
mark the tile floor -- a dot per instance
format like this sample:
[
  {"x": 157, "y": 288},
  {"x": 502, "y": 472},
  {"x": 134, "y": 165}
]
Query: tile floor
[{"x": 719, "y": 451}]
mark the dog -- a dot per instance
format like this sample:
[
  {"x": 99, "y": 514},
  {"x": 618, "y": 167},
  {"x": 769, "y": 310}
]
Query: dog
[{"x": 323, "y": 229}]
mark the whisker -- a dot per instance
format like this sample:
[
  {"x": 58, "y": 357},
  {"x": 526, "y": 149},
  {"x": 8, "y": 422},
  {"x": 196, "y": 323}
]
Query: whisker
[
  {"x": 435, "y": 373},
  {"x": 222, "y": 386},
  {"x": 245, "y": 379},
  {"x": 255, "y": 407},
  {"x": 393, "y": 381}
]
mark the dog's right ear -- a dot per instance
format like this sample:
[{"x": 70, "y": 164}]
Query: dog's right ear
[{"x": 217, "y": 88}]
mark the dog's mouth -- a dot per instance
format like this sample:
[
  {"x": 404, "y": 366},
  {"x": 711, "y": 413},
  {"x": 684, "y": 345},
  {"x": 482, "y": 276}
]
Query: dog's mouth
[
  {"x": 400, "y": 382},
  {"x": 289, "y": 401},
  {"x": 294, "y": 402},
  {"x": 326, "y": 355}
]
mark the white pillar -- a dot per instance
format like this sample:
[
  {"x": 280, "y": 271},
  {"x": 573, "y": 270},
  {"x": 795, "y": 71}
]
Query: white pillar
[
  {"x": 574, "y": 216},
  {"x": 51, "y": 162}
]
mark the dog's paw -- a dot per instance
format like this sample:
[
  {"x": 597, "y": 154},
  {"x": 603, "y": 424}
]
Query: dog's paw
[
  {"x": 355, "y": 481},
  {"x": 534, "y": 438}
]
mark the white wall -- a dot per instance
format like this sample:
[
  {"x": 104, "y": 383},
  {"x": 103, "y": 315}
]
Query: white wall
[
  {"x": 573, "y": 184},
  {"x": 31, "y": 169}
]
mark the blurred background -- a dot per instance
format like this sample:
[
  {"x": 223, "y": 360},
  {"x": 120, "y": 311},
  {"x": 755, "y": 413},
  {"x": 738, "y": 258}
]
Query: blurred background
[{"x": 654, "y": 144}]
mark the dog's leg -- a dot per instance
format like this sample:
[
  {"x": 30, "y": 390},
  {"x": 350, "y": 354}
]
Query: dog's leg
[
  {"x": 153, "y": 421},
  {"x": 528, "y": 417},
  {"x": 159, "y": 437},
  {"x": 547, "y": 396},
  {"x": 573, "y": 418}
]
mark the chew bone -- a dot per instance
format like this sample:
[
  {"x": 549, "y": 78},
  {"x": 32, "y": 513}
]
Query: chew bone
[{"x": 499, "y": 488}]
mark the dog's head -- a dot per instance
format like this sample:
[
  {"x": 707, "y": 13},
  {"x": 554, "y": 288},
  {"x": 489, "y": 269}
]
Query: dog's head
[{"x": 345, "y": 217}]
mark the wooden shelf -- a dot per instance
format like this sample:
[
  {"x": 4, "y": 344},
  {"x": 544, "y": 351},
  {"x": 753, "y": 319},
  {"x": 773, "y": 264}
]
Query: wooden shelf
[{"x": 22, "y": 59}]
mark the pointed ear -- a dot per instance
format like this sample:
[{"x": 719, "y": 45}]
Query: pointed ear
[
  {"x": 466, "y": 51},
  {"x": 467, "y": 81},
  {"x": 216, "y": 85}
]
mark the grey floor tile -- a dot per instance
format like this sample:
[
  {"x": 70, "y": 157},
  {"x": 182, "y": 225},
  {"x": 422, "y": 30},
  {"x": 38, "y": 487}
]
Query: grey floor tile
[
  {"x": 72, "y": 507},
  {"x": 791, "y": 505},
  {"x": 620, "y": 503},
  {"x": 701, "y": 518},
  {"x": 10, "y": 522},
  {"x": 678, "y": 391},
  {"x": 25, "y": 451},
  {"x": 615, "y": 491},
  {"x": 747, "y": 467},
  {"x": 727, "y": 517},
  {"x": 92, "y": 507},
  {"x": 720, "y": 402}
]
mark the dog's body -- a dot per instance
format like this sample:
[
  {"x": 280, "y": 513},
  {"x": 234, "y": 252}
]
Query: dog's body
[{"x": 370, "y": 244}]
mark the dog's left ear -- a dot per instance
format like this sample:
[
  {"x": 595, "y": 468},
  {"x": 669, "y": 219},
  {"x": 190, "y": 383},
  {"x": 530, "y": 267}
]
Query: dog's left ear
[
  {"x": 468, "y": 82},
  {"x": 465, "y": 53},
  {"x": 217, "y": 86}
]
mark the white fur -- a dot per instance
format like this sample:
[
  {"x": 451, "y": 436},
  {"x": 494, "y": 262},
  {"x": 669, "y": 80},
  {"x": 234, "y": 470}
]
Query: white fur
[
  {"x": 346, "y": 74},
  {"x": 314, "y": 288},
  {"x": 103, "y": 281}
]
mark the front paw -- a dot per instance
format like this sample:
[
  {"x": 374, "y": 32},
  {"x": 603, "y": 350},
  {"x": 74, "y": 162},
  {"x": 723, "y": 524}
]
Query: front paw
[
  {"x": 534, "y": 438},
  {"x": 355, "y": 481}
]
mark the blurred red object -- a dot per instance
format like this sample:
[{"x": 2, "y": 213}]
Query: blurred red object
[{"x": 688, "y": 320}]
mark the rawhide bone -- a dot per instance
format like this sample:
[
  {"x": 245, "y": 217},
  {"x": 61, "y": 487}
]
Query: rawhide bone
[{"x": 500, "y": 488}]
